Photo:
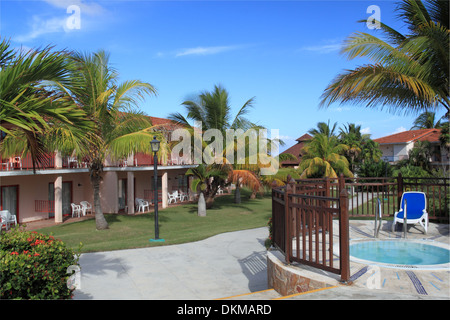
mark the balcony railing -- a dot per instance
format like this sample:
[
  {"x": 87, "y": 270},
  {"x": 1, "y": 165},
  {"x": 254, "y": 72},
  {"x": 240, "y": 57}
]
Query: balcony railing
[{"x": 138, "y": 160}]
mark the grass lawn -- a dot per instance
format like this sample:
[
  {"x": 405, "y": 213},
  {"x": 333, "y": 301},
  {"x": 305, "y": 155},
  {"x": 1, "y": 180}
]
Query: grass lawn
[{"x": 176, "y": 225}]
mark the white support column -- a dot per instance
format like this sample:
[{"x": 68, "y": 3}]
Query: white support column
[
  {"x": 58, "y": 160},
  {"x": 164, "y": 189},
  {"x": 130, "y": 192},
  {"x": 58, "y": 199}
]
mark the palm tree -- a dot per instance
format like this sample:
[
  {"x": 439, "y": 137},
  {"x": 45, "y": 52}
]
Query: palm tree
[
  {"x": 351, "y": 136},
  {"x": 323, "y": 128},
  {"x": 213, "y": 110},
  {"x": 247, "y": 178},
  {"x": 31, "y": 109},
  {"x": 409, "y": 72},
  {"x": 420, "y": 155},
  {"x": 426, "y": 120},
  {"x": 207, "y": 178},
  {"x": 119, "y": 129},
  {"x": 322, "y": 157}
]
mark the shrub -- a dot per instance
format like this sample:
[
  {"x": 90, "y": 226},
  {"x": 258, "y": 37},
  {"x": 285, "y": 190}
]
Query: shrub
[
  {"x": 269, "y": 241},
  {"x": 34, "y": 266}
]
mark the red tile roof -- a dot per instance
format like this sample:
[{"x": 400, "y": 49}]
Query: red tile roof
[
  {"x": 431, "y": 135},
  {"x": 296, "y": 149}
]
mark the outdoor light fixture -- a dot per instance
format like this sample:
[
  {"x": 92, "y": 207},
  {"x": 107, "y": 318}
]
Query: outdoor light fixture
[
  {"x": 155, "y": 148},
  {"x": 155, "y": 145}
]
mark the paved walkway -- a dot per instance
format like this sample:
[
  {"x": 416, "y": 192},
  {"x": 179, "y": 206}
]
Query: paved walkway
[{"x": 220, "y": 266}]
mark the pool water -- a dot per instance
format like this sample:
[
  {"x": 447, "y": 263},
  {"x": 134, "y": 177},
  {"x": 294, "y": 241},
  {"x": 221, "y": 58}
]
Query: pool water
[{"x": 400, "y": 252}]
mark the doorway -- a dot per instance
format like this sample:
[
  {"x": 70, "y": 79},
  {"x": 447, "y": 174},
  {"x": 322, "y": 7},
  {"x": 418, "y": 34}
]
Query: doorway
[{"x": 10, "y": 199}]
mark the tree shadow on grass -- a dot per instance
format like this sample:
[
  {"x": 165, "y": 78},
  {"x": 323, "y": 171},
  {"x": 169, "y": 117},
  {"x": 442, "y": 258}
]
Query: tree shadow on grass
[
  {"x": 246, "y": 205},
  {"x": 144, "y": 218}
]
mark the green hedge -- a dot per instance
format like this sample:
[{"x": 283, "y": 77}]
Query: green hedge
[{"x": 35, "y": 266}]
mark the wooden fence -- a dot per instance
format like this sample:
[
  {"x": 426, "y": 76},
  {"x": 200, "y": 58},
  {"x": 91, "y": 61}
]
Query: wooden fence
[{"x": 303, "y": 228}]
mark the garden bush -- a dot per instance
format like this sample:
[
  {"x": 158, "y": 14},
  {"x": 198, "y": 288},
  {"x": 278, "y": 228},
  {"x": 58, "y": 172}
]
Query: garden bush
[{"x": 34, "y": 266}]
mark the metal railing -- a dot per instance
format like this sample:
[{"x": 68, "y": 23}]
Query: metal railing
[{"x": 138, "y": 160}]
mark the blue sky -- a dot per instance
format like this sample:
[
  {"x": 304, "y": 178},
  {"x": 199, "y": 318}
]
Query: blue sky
[{"x": 283, "y": 53}]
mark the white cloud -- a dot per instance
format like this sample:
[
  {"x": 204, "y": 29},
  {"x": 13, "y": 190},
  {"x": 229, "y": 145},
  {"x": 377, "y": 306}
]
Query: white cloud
[
  {"x": 41, "y": 26},
  {"x": 326, "y": 48},
  {"x": 90, "y": 8},
  {"x": 203, "y": 51},
  {"x": 339, "y": 109},
  {"x": 398, "y": 130},
  {"x": 365, "y": 130}
]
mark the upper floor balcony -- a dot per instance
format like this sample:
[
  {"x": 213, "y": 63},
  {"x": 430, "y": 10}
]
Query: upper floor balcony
[{"x": 55, "y": 161}]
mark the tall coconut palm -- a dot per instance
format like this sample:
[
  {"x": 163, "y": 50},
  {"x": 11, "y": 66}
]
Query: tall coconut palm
[
  {"x": 324, "y": 128},
  {"x": 213, "y": 111},
  {"x": 323, "y": 157},
  {"x": 119, "y": 129},
  {"x": 426, "y": 120},
  {"x": 409, "y": 72},
  {"x": 30, "y": 107}
]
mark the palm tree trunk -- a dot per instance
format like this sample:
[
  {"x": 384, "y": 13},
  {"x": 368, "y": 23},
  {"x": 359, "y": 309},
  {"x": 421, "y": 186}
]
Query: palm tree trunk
[
  {"x": 201, "y": 210},
  {"x": 100, "y": 221},
  {"x": 237, "y": 194},
  {"x": 209, "y": 201}
]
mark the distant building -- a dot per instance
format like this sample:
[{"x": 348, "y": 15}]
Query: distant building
[
  {"x": 296, "y": 151},
  {"x": 396, "y": 146}
]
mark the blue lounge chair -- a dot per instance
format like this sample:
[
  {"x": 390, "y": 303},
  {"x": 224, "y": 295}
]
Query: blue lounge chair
[{"x": 416, "y": 209}]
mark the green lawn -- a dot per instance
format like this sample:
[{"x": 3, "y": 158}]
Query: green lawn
[{"x": 176, "y": 225}]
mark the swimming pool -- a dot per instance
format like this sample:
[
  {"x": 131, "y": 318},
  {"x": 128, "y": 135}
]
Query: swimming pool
[{"x": 401, "y": 253}]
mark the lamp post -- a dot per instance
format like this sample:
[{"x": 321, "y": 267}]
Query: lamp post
[{"x": 155, "y": 148}]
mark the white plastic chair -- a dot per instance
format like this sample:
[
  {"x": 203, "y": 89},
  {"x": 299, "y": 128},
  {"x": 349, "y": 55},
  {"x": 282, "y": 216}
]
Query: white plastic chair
[
  {"x": 7, "y": 219},
  {"x": 76, "y": 209},
  {"x": 73, "y": 160},
  {"x": 172, "y": 196},
  {"x": 85, "y": 207},
  {"x": 7, "y": 165},
  {"x": 183, "y": 196},
  {"x": 219, "y": 190},
  {"x": 142, "y": 204},
  {"x": 416, "y": 210}
]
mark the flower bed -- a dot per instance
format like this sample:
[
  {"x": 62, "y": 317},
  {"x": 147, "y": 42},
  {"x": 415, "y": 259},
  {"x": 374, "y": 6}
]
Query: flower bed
[{"x": 34, "y": 266}]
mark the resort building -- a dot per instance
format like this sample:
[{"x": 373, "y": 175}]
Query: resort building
[
  {"x": 296, "y": 151},
  {"x": 49, "y": 191},
  {"x": 396, "y": 147}
]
